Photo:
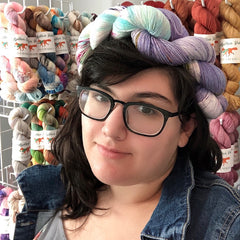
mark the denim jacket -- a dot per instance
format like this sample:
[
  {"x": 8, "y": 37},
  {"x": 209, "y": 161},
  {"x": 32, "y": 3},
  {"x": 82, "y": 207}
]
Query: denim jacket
[{"x": 194, "y": 205}]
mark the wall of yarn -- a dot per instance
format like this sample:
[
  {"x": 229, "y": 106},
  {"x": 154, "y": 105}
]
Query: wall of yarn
[
  {"x": 218, "y": 22},
  {"x": 37, "y": 50}
]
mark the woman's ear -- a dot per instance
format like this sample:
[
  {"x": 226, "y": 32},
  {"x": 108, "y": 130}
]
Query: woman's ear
[{"x": 187, "y": 130}]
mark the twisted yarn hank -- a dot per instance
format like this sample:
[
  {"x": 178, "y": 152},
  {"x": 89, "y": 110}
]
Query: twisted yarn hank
[
  {"x": 179, "y": 8},
  {"x": 36, "y": 141},
  {"x": 222, "y": 130},
  {"x": 8, "y": 84},
  {"x": 155, "y": 39},
  {"x": 19, "y": 120},
  {"x": 230, "y": 15},
  {"x": 26, "y": 77},
  {"x": 50, "y": 79},
  {"x": 46, "y": 113},
  {"x": 206, "y": 17},
  {"x": 62, "y": 60}
]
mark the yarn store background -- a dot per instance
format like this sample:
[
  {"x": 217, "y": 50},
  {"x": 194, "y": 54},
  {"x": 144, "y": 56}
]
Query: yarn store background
[{"x": 39, "y": 75}]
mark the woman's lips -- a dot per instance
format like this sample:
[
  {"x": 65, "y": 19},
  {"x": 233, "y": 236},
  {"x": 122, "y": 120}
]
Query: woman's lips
[{"x": 111, "y": 152}]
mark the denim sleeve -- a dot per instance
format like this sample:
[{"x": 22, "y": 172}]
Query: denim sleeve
[{"x": 233, "y": 232}]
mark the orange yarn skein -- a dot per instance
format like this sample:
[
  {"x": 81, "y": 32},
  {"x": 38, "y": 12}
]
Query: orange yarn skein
[
  {"x": 179, "y": 8},
  {"x": 230, "y": 14},
  {"x": 206, "y": 17}
]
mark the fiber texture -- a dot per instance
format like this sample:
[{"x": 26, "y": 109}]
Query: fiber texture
[
  {"x": 230, "y": 15},
  {"x": 223, "y": 130},
  {"x": 164, "y": 39},
  {"x": 182, "y": 8},
  {"x": 27, "y": 79},
  {"x": 19, "y": 120},
  {"x": 8, "y": 82},
  {"x": 47, "y": 69}
]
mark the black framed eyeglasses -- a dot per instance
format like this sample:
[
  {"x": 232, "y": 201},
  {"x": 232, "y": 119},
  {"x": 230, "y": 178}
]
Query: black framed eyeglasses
[{"x": 140, "y": 118}]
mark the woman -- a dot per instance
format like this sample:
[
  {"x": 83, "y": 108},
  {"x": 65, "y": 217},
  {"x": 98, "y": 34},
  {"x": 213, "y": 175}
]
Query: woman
[{"x": 136, "y": 154}]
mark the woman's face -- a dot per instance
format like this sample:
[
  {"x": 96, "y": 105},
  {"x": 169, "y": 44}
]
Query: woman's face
[{"x": 119, "y": 157}]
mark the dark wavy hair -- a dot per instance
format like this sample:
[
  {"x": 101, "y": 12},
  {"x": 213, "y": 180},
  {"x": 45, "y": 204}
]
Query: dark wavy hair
[{"x": 111, "y": 62}]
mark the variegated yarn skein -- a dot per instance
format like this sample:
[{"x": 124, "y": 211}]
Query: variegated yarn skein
[
  {"x": 62, "y": 59},
  {"x": 46, "y": 114},
  {"x": 36, "y": 136},
  {"x": 165, "y": 40},
  {"x": 25, "y": 76},
  {"x": 47, "y": 68},
  {"x": 8, "y": 84}
]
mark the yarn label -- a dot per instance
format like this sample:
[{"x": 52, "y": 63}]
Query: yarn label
[
  {"x": 211, "y": 38},
  {"x": 49, "y": 135},
  {"x": 219, "y": 36},
  {"x": 227, "y": 162},
  {"x": 18, "y": 43},
  {"x": 230, "y": 50},
  {"x": 3, "y": 44},
  {"x": 45, "y": 42},
  {"x": 236, "y": 156},
  {"x": 61, "y": 44},
  {"x": 5, "y": 224},
  {"x": 73, "y": 45},
  {"x": 37, "y": 140},
  {"x": 33, "y": 47},
  {"x": 21, "y": 150}
]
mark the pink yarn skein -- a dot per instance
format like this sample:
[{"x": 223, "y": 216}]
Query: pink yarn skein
[
  {"x": 26, "y": 77},
  {"x": 8, "y": 84},
  {"x": 223, "y": 131}
]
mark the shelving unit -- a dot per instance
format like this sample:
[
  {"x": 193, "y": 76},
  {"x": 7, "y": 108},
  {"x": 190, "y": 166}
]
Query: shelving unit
[{"x": 7, "y": 177}]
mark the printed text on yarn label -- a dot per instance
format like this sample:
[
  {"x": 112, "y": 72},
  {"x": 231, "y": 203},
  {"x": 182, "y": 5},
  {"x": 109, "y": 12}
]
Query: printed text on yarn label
[
  {"x": 18, "y": 45},
  {"x": 230, "y": 50},
  {"x": 45, "y": 42}
]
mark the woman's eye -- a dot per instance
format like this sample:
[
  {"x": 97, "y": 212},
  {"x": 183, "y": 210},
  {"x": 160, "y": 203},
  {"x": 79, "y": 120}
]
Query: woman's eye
[
  {"x": 100, "y": 98},
  {"x": 146, "y": 110}
]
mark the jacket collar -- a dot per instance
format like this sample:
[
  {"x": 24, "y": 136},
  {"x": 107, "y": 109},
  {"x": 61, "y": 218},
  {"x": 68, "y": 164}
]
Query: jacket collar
[{"x": 172, "y": 214}]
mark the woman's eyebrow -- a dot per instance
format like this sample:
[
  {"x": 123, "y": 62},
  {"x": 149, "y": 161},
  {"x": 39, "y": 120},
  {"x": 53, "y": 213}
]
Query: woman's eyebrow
[
  {"x": 106, "y": 88},
  {"x": 152, "y": 95}
]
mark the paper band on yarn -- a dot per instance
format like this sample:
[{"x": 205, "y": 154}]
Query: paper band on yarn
[
  {"x": 37, "y": 140},
  {"x": 211, "y": 38},
  {"x": 4, "y": 44},
  {"x": 5, "y": 224},
  {"x": 18, "y": 43},
  {"x": 45, "y": 42},
  {"x": 21, "y": 150},
  {"x": 33, "y": 47},
  {"x": 49, "y": 135},
  {"x": 219, "y": 36},
  {"x": 236, "y": 156},
  {"x": 73, "y": 45},
  {"x": 227, "y": 162},
  {"x": 230, "y": 50},
  {"x": 61, "y": 46}
]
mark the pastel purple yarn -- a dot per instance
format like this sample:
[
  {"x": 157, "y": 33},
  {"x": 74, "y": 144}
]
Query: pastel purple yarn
[
  {"x": 177, "y": 52},
  {"x": 177, "y": 28},
  {"x": 169, "y": 45},
  {"x": 212, "y": 105}
]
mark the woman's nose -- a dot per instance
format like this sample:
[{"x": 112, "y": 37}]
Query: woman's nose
[{"x": 114, "y": 125}]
